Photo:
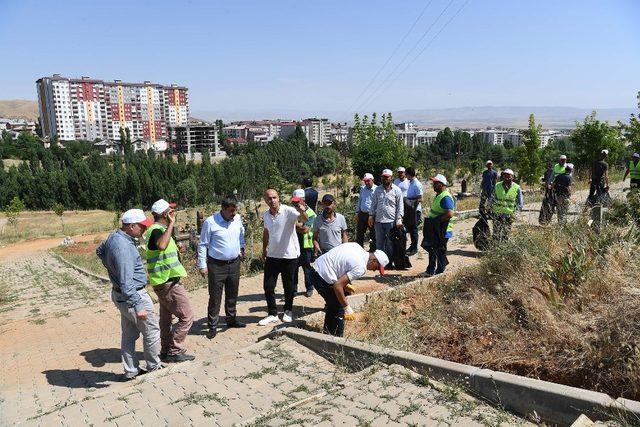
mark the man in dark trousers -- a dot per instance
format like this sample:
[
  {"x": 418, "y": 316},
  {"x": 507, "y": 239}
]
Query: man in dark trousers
[
  {"x": 562, "y": 191},
  {"x": 439, "y": 226},
  {"x": 489, "y": 179},
  {"x": 633, "y": 168},
  {"x": 220, "y": 253},
  {"x": 362, "y": 212},
  {"x": 598, "y": 178},
  {"x": 333, "y": 272}
]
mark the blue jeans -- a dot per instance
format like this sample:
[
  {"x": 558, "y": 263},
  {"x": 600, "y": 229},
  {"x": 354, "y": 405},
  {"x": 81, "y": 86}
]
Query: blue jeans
[
  {"x": 437, "y": 259},
  {"x": 383, "y": 239}
]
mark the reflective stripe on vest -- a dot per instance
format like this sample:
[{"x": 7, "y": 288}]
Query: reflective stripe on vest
[
  {"x": 634, "y": 169},
  {"x": 558, "y": 169},
  {"x": 436, "y": 208},
  {"x": 307, "y": 238},
  {"x": 505, "y": 201},
  {"x": 163, "y": 265}
]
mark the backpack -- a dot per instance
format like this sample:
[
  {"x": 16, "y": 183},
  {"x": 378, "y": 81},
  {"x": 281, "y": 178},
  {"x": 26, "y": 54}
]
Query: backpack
[
  {"x": 481, "y": 234},
  {"x": 399, "y": 239}
]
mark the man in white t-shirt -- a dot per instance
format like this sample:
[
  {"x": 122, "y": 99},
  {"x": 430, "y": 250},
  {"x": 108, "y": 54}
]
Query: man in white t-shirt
[
  {"x": 280, "y": 252},
  {"x": 336, "y": 269},
  {"x": 401, "y": 181}
]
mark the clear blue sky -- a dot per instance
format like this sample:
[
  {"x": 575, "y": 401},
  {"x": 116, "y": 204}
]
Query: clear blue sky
[{"x": 321, "y": 55}]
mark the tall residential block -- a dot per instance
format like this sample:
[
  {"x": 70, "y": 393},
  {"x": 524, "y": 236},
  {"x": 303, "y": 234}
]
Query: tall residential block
[{"x": 86, "y": 108}]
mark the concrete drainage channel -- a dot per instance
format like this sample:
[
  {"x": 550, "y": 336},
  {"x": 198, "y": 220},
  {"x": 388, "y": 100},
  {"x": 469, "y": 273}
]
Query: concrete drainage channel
[{"x": 533, "y": 399}]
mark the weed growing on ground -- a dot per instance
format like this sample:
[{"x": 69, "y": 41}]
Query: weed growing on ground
[{"x": 196, "y": 398}]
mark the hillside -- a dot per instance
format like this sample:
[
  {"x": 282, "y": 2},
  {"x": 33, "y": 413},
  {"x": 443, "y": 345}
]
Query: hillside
[{"x": 19, "y": 109}]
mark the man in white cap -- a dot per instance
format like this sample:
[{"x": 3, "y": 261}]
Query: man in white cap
[
  {"x": 401, "y": 181},
  {"x": 165, "y": 271},
  {"x": 333, "y": 272},
  {"x": 438, "y": 227},
  {"x": 386, "y": 211},
  {"x": 634, "y": 169},
  {"x": 558, "y": 169},
  {"x": 506, "y": 200},
  {"x": 362, "y": 212},
  {"x": 305, "y": 240},
  {"x": 598, "y": 178},
  {"x": 119, "y": 254},
  {"x": 562, "y": 191},
  {"x": 487, "y": 185}
]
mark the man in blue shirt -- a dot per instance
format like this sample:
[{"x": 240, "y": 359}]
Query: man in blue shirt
[
  {"x": 362, "y": 213},
  {"x": 414, "y": 198},
  {"x": 119, "y": 254},
  {"x": 220, "y": 253},
  {"x": 489, "y": 179}
]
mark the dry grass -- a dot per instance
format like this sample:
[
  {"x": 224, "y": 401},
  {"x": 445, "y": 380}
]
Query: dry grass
[
  {"x": 561, "y": 305},
  {"x": 35, "y": 224}
]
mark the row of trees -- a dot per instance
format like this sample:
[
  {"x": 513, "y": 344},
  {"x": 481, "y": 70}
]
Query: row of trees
[{"x": 80, "y": 178}]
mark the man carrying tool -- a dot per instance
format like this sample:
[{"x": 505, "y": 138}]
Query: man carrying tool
[
  {"x": 165, "y": 271},
  {"x": 336, "y": 270}
]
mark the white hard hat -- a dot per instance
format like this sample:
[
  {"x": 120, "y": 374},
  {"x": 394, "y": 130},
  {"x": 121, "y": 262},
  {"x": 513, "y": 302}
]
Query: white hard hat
[
  {"x": 509, "y": 171},
  {"x": 489, "y": 162},
  {"x": 563, "y": 157},
  {"x": 635, "y": 155},
  {"x": 439, "y": 178},
  {"x": 136, "y": 216},
  {"x": 161, "y": 206},
  {"x": 569, "y": 166}
]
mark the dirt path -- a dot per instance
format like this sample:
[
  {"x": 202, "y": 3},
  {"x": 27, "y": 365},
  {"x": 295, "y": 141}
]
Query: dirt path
[{"x": 30, "y": 247}]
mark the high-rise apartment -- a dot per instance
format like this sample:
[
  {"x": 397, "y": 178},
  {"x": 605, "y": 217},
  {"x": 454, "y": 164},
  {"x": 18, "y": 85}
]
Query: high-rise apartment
[{"x": 86, "y": 108}]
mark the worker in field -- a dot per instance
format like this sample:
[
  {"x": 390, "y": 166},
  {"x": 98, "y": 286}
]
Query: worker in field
[
  {"x": 562, "y": 191},
  {"x": 119, "y": 255},
  {"x": 329, "y": 228},
  {"x": 413, "y": 209},
  {"x": 599, "y": 179},
  {"x": 633, "y": 168},
  {"x": 386, "y": 212},
  {"x": 362, "y": 212},
  {"x": 305, "y": 240},
  {"x": 506, "y": 200},
  {"x": 487, "y": 185},
  {"x": 165, "y": 271},
  {"x": 438, "y": 227},
  {"x": 336, "y": 270},
  {"x": 558, "y": 168}
]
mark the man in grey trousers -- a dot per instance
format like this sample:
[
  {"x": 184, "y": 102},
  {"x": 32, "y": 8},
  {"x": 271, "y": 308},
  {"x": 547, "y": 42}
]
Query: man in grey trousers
[{"x": 128, "y": 276}]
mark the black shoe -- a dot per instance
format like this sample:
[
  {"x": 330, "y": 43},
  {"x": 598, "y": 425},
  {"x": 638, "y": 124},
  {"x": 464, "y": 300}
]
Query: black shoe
[
  {"x": 309, "y": 293},
  {"x": 212, "y": 333},
  {"x": 180, "y": 357},
  {"x": 163, "y": 356},
  {"x": 412, "y": 251},
  {"x": 140, "y": 372},
  {"x": 235, "y": 324}
]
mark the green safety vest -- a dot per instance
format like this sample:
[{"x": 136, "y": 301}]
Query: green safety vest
[
  {"x": 307, "y": 238},
  {"x": 634, "y": 169},
  {"x": 436, "y": 209},
  {"x": 163, "y": 265},
  {"x": 505, "y": 201},
  {"x": 558, "y": 168}
]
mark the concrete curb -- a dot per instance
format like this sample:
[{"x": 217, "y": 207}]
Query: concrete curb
[
  {"x": 80, "y": 269},
  {"x": 531, "y": 398}
]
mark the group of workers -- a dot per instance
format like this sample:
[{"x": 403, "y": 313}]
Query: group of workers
[{"x": 303, "y": 235}]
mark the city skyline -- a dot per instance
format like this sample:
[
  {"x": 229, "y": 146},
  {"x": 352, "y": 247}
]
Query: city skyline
[{"x": 353, "y": 57}]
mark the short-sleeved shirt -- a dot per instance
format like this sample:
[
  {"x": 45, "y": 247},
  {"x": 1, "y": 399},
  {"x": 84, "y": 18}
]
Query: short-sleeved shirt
[
  {"x": 311, "y": 198},
  {"x": 562, "y": 183},
  {"x": 598, "y": 171},
  {"x": 348, "y": 258},
  {"x": 330, "y": 232},
  {"x": 283, "y": 239},
  {"x": 447, "y": 203}
]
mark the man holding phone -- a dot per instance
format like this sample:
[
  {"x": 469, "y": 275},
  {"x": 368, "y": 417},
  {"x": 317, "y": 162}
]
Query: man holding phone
[{"x": 165, "y": 271}]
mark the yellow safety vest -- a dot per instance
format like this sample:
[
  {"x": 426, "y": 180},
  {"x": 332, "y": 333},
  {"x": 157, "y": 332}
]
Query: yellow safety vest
[
  {"x": 634, "y": 169},
  {"x": 163, "y": 265},
  {"x": 307, "y": 238},
  {"x": 505, "y": 201},
  {"x": 558, "y": 168},
  {"x": 436, "y": 209}
]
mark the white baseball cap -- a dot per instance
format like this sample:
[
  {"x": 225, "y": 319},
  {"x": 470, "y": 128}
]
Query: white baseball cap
[
  {"x": 382, "y": 258},
  {"x": 569, "y": 166},
  {"x": 400, "y": 169},
  {"x": 161, "y": 205},
  {"x": 509, "y": 171},
  {"x": 563, "y": 157},
  {"x": 605, "y": 152},
  {"x": 439, "y": 178},
  {"x": 136, "y": 216},
  {"x": 297, "y": 195},
  {"x": 489, "y": 162},
  {"x": 635, "y": 155},
  {"x": 387, "y": 172},
  {"x": 367, "y": 177}
]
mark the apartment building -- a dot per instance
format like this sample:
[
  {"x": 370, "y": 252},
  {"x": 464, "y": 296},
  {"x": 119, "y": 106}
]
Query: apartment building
[
  {"x": 427, "y": 137},
  {"x": 493, "y": 136},
  {"x": 91, "y": 109},
  {"x": 195, "y": 138}
]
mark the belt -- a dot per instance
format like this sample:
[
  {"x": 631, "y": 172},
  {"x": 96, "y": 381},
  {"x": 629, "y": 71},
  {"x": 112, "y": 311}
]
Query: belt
[
  {"x": 119, "y": 290},
  {"x": 223, "y": 262}
]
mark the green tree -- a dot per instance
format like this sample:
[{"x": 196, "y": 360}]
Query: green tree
[
  {"x": 531, "y": 165},
  {"x": 591, "y": 137},
  {"x": 12, "y": 211},
  {"x": 58, "y": 209},
  {"x": 631, "y": 131}
]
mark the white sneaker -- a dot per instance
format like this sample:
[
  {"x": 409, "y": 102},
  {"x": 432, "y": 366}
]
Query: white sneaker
[
  {"x": 267, "y": 320},
  {"x": 287, "y": 316}
]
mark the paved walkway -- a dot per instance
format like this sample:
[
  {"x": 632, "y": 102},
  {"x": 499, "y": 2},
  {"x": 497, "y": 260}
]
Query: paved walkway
[{"x": 66, "y": 352}]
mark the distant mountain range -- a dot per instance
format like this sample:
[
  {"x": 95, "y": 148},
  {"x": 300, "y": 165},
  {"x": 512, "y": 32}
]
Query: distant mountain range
[
  {"x": 19, "y": 109},
  {"x": 462, "y": 117}
]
